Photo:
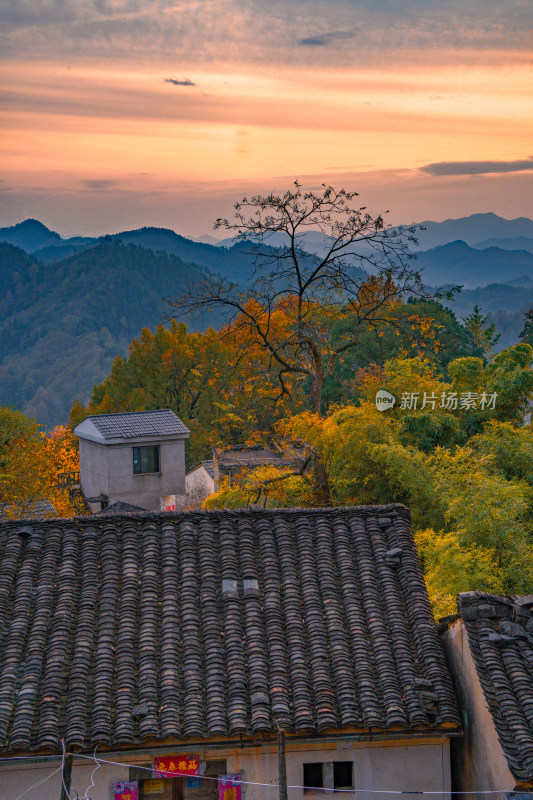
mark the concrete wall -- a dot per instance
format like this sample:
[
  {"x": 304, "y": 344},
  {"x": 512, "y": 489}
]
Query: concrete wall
[
  {"x": 15, "y": 781},
  {"x": 411, "y": 766},
  {"x": 478, "y": 761},
  {"x": 420, "y": 766},
  {"x": 108, "y": 469},
  {"x": 199, "y": 484}
]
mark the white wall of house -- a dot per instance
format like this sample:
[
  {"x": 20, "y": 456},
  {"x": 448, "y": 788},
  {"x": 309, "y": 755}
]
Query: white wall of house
[
  {"x": 16, "y": 780},
  {"x": 405, "y": 765},
  {"x": 396, "y": 765},
  {"x": 479, "y": 761},
  {"x": 199, "y": 484},
  {"x": 108, "y": 469}
]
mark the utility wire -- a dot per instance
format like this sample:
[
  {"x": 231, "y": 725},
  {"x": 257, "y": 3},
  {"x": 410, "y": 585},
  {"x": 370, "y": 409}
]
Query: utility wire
[
  {"x": 40, "y": 783},
  {"x": 312, "y": 788}
]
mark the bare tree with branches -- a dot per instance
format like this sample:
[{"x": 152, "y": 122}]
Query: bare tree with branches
[{"x": 364, "y": 267}]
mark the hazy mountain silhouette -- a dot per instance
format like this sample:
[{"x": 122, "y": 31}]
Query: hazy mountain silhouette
[
  {"x": 62, "y": 324},
  {"x": 458, "y": 263},
  {"x": 473, "y": 229},
  {"x": 518, "y": 243},
  {"x": 69, "y": 306}
]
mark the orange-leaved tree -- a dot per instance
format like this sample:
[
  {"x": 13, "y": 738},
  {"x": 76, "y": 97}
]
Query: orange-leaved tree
[
  {"x": 33, "y": 466},
  {"x": 362, "y": 269},
  {"x": 219, "y": 383}
]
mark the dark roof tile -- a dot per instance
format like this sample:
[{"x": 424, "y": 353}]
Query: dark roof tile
[
  {"x": 135, "y": 424},
  {"x": 117, "y": 629},
  {"x": 499, "y": 636}
]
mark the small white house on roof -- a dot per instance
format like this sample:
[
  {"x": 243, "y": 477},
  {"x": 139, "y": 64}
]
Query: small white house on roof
[{"x": 135, "y": 457}]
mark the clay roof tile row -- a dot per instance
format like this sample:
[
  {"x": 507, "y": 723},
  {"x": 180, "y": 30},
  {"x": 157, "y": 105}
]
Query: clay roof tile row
[
  {"x": 116, "y": 630},
  {"x": 500, "y": 636}
]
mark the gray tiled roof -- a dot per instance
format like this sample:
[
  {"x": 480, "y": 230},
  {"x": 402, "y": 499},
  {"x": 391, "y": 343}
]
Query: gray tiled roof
[
  {"x": 208, "y": 466},
  {"x": 119, "y": 507},
  {"x": 215, "y": 623},
  {"x": 138, "y": 423},
  {"x": 34, "y": 508},
  {"x": 500, "y": 635},
  {"x": 258, "y": 456}
]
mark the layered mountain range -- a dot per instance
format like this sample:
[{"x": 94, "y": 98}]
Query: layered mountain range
[{"x": 69, "y": 306}]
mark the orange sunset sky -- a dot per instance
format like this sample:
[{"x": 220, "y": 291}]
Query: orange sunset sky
[{"x": 122, "y": 113}]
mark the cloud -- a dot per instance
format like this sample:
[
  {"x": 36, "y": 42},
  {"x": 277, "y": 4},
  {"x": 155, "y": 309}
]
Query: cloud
[
  {"x": 218, "y": 31},
  {"x": 323, "y": 39},
  {"x": 476, "y": 167},
  {"x": 183, "y": 82},
  {"x": 99, "y": 184}
]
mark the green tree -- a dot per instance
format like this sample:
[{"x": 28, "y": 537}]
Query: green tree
[
  {"x": 469, "y": 486},
  {"x": 423, "y": 328},
  {"x": 482, "y": 331},
  {"x": 526, "y": 334}
]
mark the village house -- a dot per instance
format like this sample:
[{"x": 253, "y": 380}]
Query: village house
[
  {"x": 489, "y": 645},
  {"x": 136, "y": 458},
  {"x": 221, "y": 647},
  {"x": 200, "y": 482},
  {"x": 234, "y": 463}
]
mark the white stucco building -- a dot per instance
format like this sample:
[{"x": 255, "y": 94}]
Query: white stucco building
[{"x": 136, "y": 458}]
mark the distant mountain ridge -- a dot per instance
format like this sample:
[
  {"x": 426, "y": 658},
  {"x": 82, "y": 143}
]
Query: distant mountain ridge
[
  {"x": 458, "y": 263},
  {"x": 517, "y": 243},
  {"x": 472, "y": 230},
  {"x": 30, "y": 235},
  {"x": 62, "y": 324},
  {"x": 462, "y": 263},
  {"x": 234, "y": 261}
]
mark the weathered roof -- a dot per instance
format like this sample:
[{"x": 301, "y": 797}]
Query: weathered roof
[
  {"x": 243, "y": 457},
  {"x": 119, "y": 507},
  {"x": 131, "y": 425},
  {"x": 34, "y": 508},
  {"x": 215, "y": 623},
  {"x": 207, "y": 465},
  {"x": 500, "y": 635}
]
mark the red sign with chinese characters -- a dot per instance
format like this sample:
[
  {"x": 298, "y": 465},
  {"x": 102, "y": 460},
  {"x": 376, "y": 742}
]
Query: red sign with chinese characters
[{"x": 169, "y": 766}]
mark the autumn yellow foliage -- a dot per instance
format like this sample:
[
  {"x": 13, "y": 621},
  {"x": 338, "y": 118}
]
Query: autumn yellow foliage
[{"x": 31, "y": 466}]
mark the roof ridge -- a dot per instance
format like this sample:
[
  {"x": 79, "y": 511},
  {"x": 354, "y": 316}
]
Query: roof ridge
[
  {"x": 126, "y": 413},
  {"x": 363, "y": 510}
]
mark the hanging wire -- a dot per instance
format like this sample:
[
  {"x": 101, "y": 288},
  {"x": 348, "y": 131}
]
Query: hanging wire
[
  {"x": 275, "y": 785},
  {"x": 95, "y": 770},
  {"x": 40, "y": 783},
  {"x": 100, "y": 761}
]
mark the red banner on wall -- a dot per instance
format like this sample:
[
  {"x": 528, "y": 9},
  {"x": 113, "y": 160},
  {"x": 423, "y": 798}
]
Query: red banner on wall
[{"x": 169, "y": 766}]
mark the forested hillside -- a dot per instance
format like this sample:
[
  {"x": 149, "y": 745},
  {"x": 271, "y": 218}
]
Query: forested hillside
[{"x": 62, "y": 324}]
